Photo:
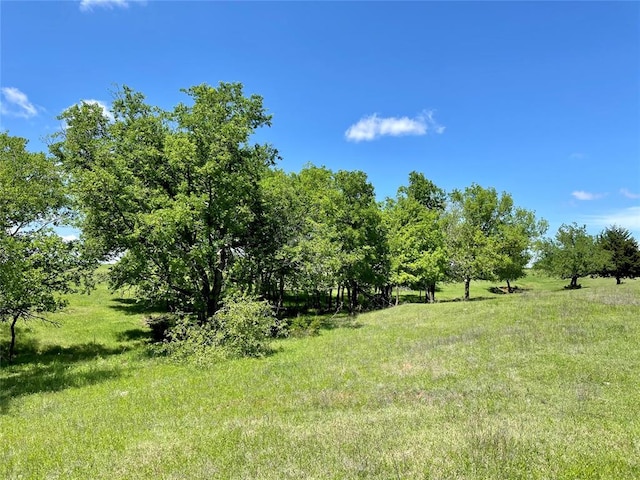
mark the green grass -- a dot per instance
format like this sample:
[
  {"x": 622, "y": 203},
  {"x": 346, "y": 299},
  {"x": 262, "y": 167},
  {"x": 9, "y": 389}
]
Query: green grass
[{"x": 538, "y": 385}]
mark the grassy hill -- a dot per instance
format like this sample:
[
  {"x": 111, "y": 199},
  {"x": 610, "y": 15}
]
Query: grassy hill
[{"x": 543, "y": 384}]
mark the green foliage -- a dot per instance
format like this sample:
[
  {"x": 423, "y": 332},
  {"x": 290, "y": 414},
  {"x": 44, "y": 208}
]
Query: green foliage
[
  {"x": 36, "y": 265},
  {"x": 31, "y": 188},
  {"x": 487, "y": 236},
  {"x": 176, "y": 192},
  {"x": 304, "y": 325},
  {"x": 415, "y": 236},
  {"x": 243, "y": 327},
  {"x": 573, "y": 253},
  {"x": 622, "y": 253}
]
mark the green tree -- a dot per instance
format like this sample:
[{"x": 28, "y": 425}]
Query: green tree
[
  {"x": 361, "y": 235},
  {"x": 36, "y": 266},
  {"x": 176, "y": 193},
  {"x": 518, "y": 231},
  {"x": 573, "y": 253},
  {"x": 487, "y": 236},
  {"x": 623, "y": 253},
  {"x": 416, "y": 242}
]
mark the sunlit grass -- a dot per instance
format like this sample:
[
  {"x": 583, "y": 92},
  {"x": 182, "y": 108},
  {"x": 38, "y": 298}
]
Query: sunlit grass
[{"x": 540, "y": 384}]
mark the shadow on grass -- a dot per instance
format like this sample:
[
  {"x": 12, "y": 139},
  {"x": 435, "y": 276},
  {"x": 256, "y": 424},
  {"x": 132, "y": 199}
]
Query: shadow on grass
[
  {"x": 505, "y": 290},
  {"x": 50, "y": 369},
  {"x": 415, "y": 299},
  {"x": 134, "y": 335},
  {"x": 131, "y": 306}
]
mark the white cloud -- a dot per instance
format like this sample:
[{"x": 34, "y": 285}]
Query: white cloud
[
  {"x": 69, "y": 238},
  {"x": 16, "y": 103},
  {"x": 629, "y": 194},
  {"x": 582, "y": 195},
  {"x": 89, "y": 5},
  {"x": 628, "y": 218},
  {"x": 372, "y": 127}
]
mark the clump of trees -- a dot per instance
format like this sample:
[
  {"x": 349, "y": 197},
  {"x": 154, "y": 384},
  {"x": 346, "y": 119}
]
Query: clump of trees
[
  {"x": 573, "y": 253},
  {"x": 201, "y": 221}
]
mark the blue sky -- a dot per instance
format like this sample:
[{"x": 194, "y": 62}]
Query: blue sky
[{"x": 541, "y": 100}]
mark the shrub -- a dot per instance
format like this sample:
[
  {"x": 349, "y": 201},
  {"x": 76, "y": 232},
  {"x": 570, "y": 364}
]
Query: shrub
[
  {"x": 241, "y": 328},
  {"x": 304, "y": 325},
  {"x": 244, "y": 326}
]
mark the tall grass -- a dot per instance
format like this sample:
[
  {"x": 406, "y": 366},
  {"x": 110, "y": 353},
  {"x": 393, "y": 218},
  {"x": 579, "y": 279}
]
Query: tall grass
[{"x": 542, "y": 384}]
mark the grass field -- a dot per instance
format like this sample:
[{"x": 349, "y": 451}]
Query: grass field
[{"x": 543, "y": 384}]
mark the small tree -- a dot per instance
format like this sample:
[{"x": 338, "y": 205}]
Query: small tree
[
  {"x": 36, "y": 265},
  {"x": 572, "y": 254},
  {"x": 623, "y": 254}
]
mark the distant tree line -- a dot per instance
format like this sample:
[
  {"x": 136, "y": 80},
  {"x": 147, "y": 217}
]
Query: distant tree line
[{"x": 194, "y": 212}]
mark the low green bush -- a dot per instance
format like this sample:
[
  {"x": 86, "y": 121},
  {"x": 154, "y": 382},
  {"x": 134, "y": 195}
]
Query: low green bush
[{"x": 243, "y": 327}]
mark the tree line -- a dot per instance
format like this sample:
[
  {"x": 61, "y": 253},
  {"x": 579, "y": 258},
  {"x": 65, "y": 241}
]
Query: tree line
[{"x": 194, "y": 212}]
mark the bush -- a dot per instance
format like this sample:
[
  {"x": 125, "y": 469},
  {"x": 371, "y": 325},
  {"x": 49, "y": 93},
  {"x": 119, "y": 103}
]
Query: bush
[
  {"x": 244, "y": 326},
  {"x": 241, "y": 328},
  {"x": 304, "y": 326}
]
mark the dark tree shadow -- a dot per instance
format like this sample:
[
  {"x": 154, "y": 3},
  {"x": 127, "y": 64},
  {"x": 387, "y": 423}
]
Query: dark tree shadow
[
  {"x": 131, "y": 306},
  {"x": 415, "y": 299},
  {"x": 505, "y": 290},
  {"x": 472, "y": 299},
  {"x": 36, "y": 369},
  {"x": 134, "y": 335}
]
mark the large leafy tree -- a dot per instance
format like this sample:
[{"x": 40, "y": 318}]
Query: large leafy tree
[
  {"x": 622, "y": 253},
  {"x": 36, "y": 266},
  {"x": 361, "y": 235},
  {"x": 175, "y": 193},
  {"x": 487, "y": 236},
  {"x": 416, "y": 241},
  {"x": 572, "y": 254}
]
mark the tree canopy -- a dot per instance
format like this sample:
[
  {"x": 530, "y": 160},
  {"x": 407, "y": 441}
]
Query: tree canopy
[
  {"x": 176, "y": 193},
  {"x": 487, "y": 236},
  {"x": 622, "y": 253},
  {"x": 573, "y": 253},
  {"x": 36, "y": 265}
]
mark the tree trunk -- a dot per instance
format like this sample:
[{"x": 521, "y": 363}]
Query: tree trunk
[
  {"x": 397, "y": 294},
  {"x": 12, "y": 345},
  {"x": 618, "y": 282},
  {"x": 574, "y": 281},
  {"x": 467, "y": 282},
  {"x": 432, "y": 289},
  {"x": 281, "y": 293},
  {"x": 509, "y": 287},
  {"x": 213, "y": 302}
]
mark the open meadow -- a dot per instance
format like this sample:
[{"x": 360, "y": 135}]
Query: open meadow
[{"x": 543, "y": 384}]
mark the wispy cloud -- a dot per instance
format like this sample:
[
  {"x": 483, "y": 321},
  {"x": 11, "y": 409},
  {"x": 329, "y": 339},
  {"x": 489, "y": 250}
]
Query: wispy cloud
[
  {"x": 89, "y": 5},
  {"x": 629, "y": 194},
  {"x": 16, "y": 103},
  {"x": 628, "y": 218},
  {"x": 582, "y": 195},
  {"x": 372, "y": 127}
]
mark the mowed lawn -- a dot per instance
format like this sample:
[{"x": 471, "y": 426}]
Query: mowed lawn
[{"x": 543, "y": 384}]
